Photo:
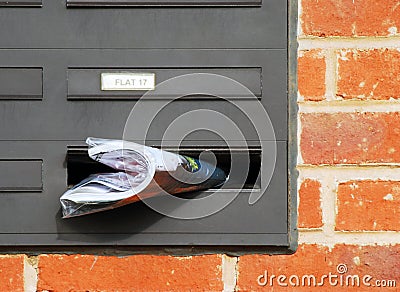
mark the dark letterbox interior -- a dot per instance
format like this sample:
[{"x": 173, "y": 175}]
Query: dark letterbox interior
[{"x": 52, "y": 55}]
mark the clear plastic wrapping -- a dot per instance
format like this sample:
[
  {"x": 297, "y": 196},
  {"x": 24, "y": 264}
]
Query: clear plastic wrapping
[{"x": 140, "y": 172}]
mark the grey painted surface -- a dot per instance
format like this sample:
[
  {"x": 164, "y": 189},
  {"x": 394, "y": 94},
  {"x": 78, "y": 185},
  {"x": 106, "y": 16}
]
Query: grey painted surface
[
  {"x": 55, "y": 26},
  {"x": 79, "y": 118},
  {"x": 21, "y": 83},
  {"x": 20, "y": 175}
]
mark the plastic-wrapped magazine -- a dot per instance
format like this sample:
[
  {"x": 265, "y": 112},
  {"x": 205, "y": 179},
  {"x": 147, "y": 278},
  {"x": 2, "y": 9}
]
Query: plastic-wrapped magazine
[{"x": 140, "y": 172}]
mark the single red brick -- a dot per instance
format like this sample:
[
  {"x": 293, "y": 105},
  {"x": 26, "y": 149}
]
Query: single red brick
[
  {"x": 370, "y": 74},
  {"x": 376, "y": 18},
  {"x": 310, "y": 213},
  {"x": 311, "y": 75},
  {"x": 368, "y": 205},
  {"x": 132, "y": 273},
  {"x": 327, "y": 17},
  {"x": 350, "y": 17},
  {"x": 350, "y": 138},
  {"x": 12, "y": 273},
  {"x": 342, "y": 262},
  {"x": 309, "y": 259}
]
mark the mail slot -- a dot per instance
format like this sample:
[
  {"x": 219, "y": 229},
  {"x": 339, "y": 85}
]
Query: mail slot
[
  {"x": 21, "y": 83},
  {"x": 74, "y": 69},
  {"x": 20, "y": 175},
  {"x": 21, "y": 3},
  {"x": 131, "y": 3},
  {"x": 85, "y": 84},
  {"x": 79, "y": 165}
]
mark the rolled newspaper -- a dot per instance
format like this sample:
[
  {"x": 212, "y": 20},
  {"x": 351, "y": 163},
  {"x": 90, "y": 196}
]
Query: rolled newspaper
[{"x": 141, "y": 172}]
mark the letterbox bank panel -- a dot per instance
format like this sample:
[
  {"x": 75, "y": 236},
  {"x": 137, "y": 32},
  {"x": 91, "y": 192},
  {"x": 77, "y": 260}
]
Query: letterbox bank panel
[{"x": 67, "y": 72}]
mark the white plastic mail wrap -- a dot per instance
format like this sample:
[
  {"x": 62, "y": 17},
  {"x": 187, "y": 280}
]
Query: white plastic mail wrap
[{"x": 136, "y": 169}]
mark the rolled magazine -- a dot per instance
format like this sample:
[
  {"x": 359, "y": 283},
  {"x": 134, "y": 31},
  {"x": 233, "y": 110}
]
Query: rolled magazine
[{"x": 141, "y": 172}]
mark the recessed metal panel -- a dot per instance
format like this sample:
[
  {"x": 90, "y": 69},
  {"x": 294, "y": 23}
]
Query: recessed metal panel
[
  {"x": 85, "y": 84},
  {"x": 20, "y": 83},
  {"x": 21, "y": 3},
  {"x": 20, "y": 175},
  {"x": 135, "y": 3}
]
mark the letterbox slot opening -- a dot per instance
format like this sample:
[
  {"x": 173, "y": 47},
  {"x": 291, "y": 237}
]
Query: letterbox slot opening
[
  {"x": 161, "y": 3},
  {"x": 224, "y": 157},
  {"x": 80, "y": 165}
]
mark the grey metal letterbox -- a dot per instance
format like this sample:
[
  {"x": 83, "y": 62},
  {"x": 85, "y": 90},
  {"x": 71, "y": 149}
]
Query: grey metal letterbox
[{"x": 53, "y": 53}]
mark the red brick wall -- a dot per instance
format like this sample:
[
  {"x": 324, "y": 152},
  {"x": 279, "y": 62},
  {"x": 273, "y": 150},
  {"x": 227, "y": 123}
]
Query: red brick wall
[
  {"x": 349, "y": 183},
  {"x": 349, "y": 127}
]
